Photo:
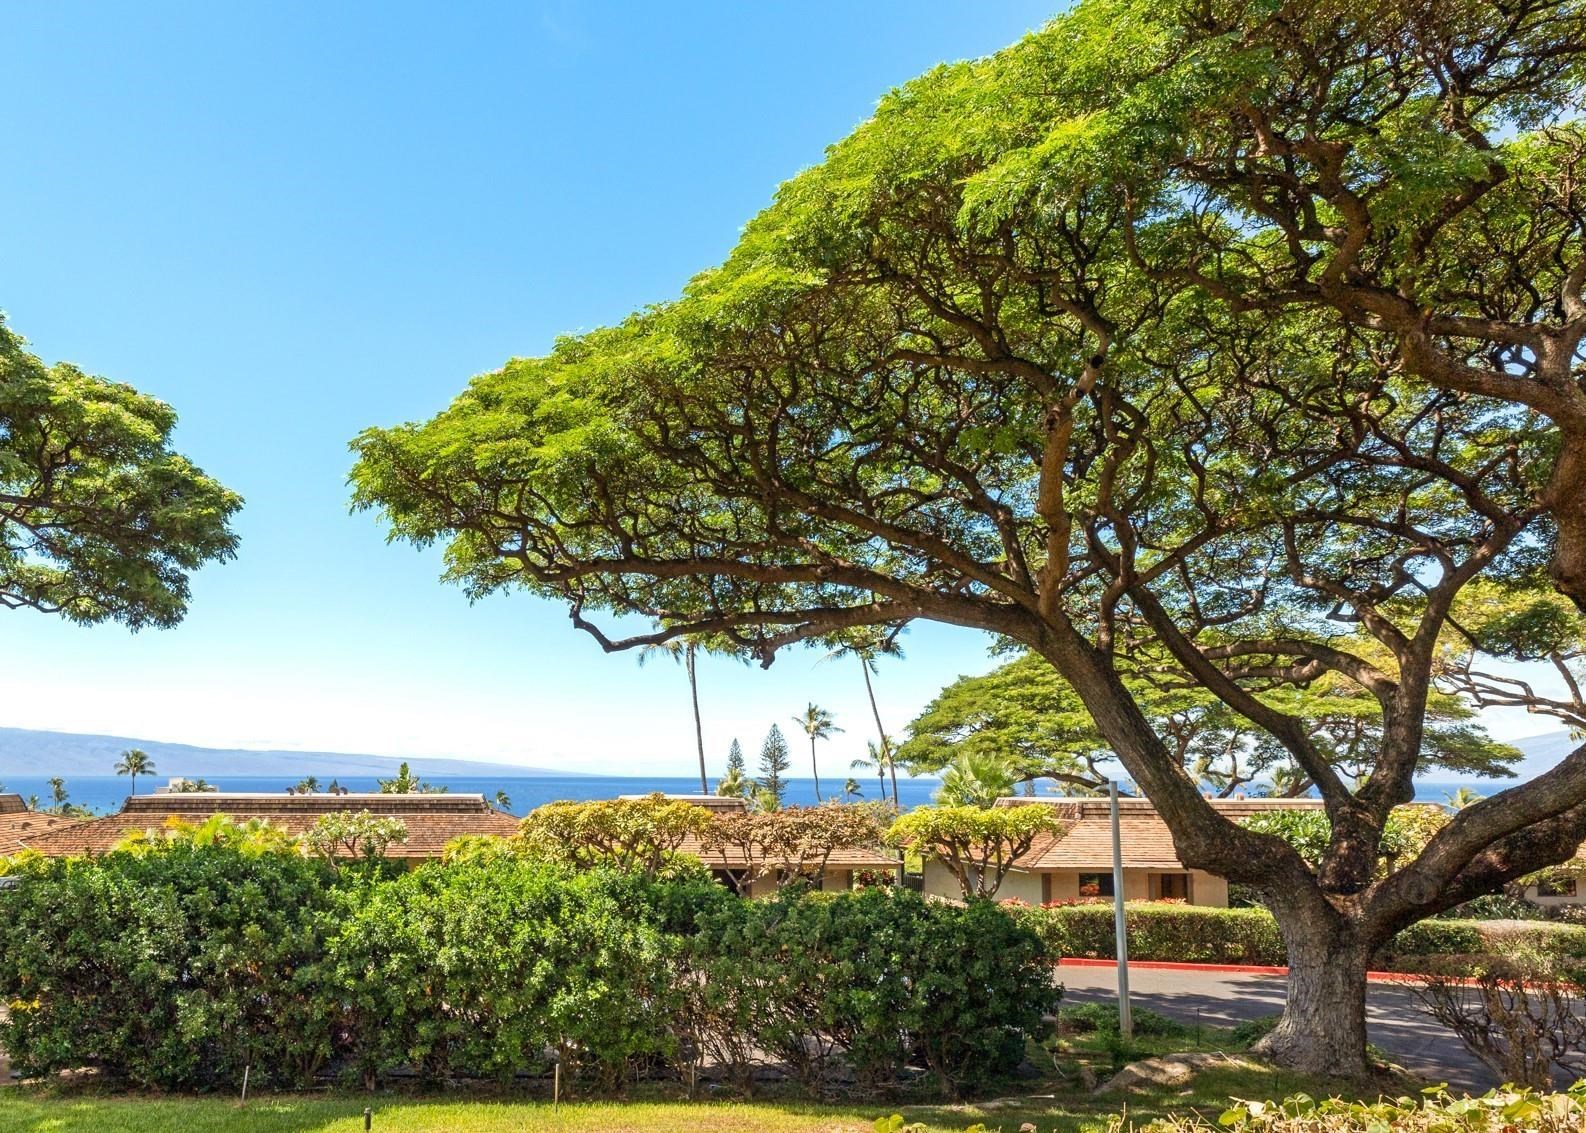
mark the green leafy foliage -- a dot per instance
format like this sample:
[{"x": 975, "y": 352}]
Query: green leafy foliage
[
  {"x": 1310, "y": 832},
  {"x": 174, "y": 967},
  {"x": 102, "y": 521},
  {"x": 978, "y": 844},
  {"x": 884, "y": 975},
  {"x": 1199, "y": 934},
  {"x": 634, "y": 834},
  {"x": 1435, "y": 1111},
  {"x": 179, "y": 962}
]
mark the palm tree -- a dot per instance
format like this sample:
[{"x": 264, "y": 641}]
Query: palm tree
[
  {"x": 818, "y": 724},
  {"x": 852, "y": 789},
  {"x": 975, "y": 780},
  {"x": 503, "y": 800},
  {"x": 1462, "y": 798},
  {"x": 308, "y": 786},
  {"x": 57, "y": 790},
  {"x": 134, "y": 762},
  {"x": 879, "y": 763},
  {"x": 685, "y": 651},
  {"x": 867, "y": 645},
  {"x": 734, "y": 784}
]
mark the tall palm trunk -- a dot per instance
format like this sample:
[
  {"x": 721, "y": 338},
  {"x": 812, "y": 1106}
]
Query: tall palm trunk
[
  {"x": 886, "y": 748},
  {"x": 699, "y": 727},
  {"x": 815, "y": 768}
]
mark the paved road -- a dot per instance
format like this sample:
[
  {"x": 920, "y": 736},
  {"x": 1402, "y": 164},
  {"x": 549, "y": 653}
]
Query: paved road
[{"x": 1395, "y": 1020}]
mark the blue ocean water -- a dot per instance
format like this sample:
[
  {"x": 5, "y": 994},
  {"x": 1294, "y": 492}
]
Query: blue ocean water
[{"x": 105, "y": 794}]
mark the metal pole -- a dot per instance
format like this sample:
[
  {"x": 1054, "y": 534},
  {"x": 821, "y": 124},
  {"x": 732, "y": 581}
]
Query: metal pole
[{"x": 1125, "y": 1019}]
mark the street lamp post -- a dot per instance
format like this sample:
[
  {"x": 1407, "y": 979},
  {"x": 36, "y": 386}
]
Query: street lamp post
[{"x": 1125, "y": 1018}]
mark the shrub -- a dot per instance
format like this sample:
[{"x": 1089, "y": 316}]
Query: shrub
[
  {"x": 1183, "y": 933},
  {"x": 883, "y": 974},
  {"x": 1199, "y": 934},
  {"x": 174, "y": 965},
  {"x": 477, "y": 969},
  {"x": 1519, "y": 1013}
]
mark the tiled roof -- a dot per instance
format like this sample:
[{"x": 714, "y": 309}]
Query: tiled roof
[
  {"x": 844, "y": 857},
  {"x": 12, "y": 804},
  {"x": 1146, "y": 840},
  {"x": 431, "y": 820},
  {"x": 19, "y": 829}
]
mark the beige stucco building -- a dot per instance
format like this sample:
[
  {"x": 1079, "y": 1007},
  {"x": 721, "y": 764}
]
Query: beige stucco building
[{"x": 1076, "y": 864}]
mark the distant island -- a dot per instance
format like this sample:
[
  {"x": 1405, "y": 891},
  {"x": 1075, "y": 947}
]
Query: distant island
[{"x": 25, "y": 752}]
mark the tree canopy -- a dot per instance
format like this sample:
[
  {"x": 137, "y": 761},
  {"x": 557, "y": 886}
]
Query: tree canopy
[
  {"x": 1025, "y": 714},
  {"x": 1228, "y": 344},
  {"x": 99, "y": 519}
]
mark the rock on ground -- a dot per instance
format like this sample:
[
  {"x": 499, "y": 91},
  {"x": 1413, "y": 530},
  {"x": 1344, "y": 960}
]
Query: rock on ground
[{"x": 1167, "y": 1070}]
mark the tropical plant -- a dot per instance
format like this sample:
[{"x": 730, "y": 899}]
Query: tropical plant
[
  {"x": 792, "y": 844},
  {"x": 58, "y": 793},
  {"x": 308, "y": 785},
  {"x": 878, "y": 758},
  {"x": 852, "y": 789},
  {"x": 406, "y": 782},
  {"x": 503, "y": 801},
  {"x": 362, "y": 837},
  {"x": 818, "y": 724},
  {"x": 976, "y": 779},
  {"x": 978, "y": 846},
  {"x": 134, "y": 762},
  {"x": 103, "y": 521},
  {"x": 190, "y": 786},
  {"x": 774, "y": 762},
  {"x": 867, "y": 644},
  {"x": 639, "y": 834},
  {"x": 734, "y": 784},
  {"x": 685, "y": 651},
  {"x": 1461, "y": 798}
]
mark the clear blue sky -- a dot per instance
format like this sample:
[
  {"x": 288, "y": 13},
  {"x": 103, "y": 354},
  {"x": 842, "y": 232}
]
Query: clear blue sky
[{"x": 292, "y": 222}]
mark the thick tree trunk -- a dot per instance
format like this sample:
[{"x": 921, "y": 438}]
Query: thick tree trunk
[
  {"x": 1568, "y": 503},
  {"x": 1323, "y": 1028}
]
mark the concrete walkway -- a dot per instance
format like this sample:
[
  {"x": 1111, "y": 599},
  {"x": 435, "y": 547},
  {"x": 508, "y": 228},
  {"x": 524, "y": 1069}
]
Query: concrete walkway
[{"x": 1395, "y": 1020}]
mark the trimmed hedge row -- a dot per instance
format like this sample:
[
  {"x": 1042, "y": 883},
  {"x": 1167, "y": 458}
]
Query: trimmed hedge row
[
  {"x": 1198, "y": 934},
  {"x": 181, "y": 967}
]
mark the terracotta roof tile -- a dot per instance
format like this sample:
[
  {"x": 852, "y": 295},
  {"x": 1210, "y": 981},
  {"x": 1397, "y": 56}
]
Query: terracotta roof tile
[
  {"x": 431, "y": 820},
  {"x": 1146, "y": 840},
  {"x": 18, "y": 831}
]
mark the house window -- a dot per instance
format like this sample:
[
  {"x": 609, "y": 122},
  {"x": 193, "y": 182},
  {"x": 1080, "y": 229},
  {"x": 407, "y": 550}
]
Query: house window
[
  {"x": 1556, "y": 887},
  {"x": 1095, "y": 885},
  {"x": 1173, "y": 887}
]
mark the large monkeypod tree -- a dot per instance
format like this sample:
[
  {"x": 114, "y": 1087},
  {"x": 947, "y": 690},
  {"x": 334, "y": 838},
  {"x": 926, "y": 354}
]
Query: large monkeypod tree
[{"x": 1230, "y": 347}]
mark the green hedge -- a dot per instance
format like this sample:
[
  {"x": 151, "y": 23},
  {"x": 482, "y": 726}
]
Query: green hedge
[
  {"x": 1191, "y": 934},
  {"x": 179, "y": 966},
  {"x": 1198, "y": 934}
]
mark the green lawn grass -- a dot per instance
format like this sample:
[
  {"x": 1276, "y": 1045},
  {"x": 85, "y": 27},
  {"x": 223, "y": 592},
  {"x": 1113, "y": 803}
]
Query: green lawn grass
[{"x": 25, "y": 1109}]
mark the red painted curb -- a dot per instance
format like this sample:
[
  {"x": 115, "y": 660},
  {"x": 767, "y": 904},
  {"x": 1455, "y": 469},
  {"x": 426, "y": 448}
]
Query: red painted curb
[{"x": 1236, "y": 969}]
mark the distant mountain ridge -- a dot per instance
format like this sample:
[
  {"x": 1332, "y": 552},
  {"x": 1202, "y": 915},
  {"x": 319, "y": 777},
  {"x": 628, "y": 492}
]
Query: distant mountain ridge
[{"x": 25, "y": 752}]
